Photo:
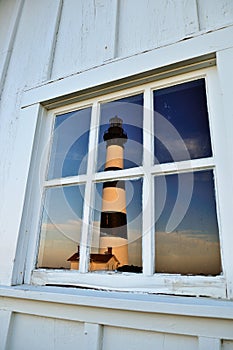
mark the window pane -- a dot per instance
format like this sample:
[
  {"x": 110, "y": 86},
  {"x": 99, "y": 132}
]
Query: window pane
[
  {"x": 61, "y": 227},
  {"x": 191, "y": 244},
  {"x": 121, "y": 136},
  {"x": 70, "y": 144},
  {"x": 181, "y": 122},
  {"x": 116, "y": 239}
]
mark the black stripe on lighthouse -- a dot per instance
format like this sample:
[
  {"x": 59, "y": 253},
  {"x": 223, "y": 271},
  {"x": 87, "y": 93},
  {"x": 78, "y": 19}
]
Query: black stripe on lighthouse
[
  {"x": 117, "y": 184},
  {"x": 113, "y": 224}
]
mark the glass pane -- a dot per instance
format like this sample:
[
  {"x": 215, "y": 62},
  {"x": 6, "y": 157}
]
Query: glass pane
[
  {"x": 70, "y": 144},
  {"x": 117, "y": 227},
  {"x": 187, "y": 239},
  {"x": 61, "y": 227},
  {"x": 181, "y": 125},
  {"x": 120, "y": 134}
]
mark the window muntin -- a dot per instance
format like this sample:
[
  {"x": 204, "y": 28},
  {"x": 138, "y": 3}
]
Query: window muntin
[{"x": 145, "y": 171}]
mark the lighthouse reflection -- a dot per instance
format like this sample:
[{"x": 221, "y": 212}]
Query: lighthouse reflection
[
  {"x": 122, "y": 236},
  {"x": 117, "y": 224}
]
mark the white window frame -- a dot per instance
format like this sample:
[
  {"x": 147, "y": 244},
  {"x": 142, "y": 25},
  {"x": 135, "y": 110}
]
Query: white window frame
[{"x": 146, "y": 282}]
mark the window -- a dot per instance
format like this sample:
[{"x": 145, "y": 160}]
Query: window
[{"x": 129, "y": 190}]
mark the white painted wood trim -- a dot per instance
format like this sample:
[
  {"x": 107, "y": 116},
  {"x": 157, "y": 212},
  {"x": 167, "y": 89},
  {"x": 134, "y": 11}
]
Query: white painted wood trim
[
  {"x": 183, "y": 166},
  {"x": 138, "y": 302},
  {"x": 156, "y": 284},
  {"x": 69, "y": 180},
  {"x": 5, "y": 319},
  {"x": 89, "y": 191},
  {"x": 121, "y": 174},
  {"x": 32, "y": 207},
  {"x": 16, "y": 186},
  {"x": 126, "y": 67},
  {"x": 148, "y": 237},
  {"x": 149, "y": 316},
  {"x": 224, "y": 167},
  {"x": 92, "y": 336},
  {"x": 206, "y": 343}
]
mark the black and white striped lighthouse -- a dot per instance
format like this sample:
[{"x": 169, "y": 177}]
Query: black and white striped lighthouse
[{"x": 113, "y": 224}]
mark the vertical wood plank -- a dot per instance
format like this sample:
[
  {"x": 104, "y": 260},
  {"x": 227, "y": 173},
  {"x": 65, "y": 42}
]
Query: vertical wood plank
[
  {"x": 111, "y": 16},
  {"x": 206, "y": 343},
  {"x": 5, "y": 318},
  {"x": 87, "y": 34},
  {"x": 214, "y": 13},
  {"x": 35, "y": 37},
  {"x": 147, "y": 27},
  {"x": 225, "y": 164},
  {"x": 10, "y": 13},
  {"x": 92, "y": 336},
  {"x": 57, "y": 16},
  {"x": 191, "y": 20}
]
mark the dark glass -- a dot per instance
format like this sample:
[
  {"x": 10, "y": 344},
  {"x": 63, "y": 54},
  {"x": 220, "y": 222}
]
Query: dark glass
[
  {"x": 61, "y": 226},
  {"x": 130, "y": 111},
  {"x": 70, "y": 144},
  {"x": 187, "y": 238},
  {"x": 181, "y": 126},
  {"x": 117, "y": 227}
]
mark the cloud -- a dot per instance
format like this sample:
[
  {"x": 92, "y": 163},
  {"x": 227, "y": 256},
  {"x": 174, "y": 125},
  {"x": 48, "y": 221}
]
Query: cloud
[
  {"x": 187, "y": 252},
  {"x": 71, "y": 229}
]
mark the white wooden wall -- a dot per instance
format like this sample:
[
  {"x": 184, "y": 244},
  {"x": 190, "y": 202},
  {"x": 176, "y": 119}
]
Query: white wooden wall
[{"x": 48, "y": 40}]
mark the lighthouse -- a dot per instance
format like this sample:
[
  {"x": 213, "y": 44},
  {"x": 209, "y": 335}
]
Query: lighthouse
[{"x": 113, "y": 223}]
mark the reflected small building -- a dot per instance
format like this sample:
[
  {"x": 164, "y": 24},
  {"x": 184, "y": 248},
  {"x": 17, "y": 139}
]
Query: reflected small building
[{"x": 105, "y": 262}]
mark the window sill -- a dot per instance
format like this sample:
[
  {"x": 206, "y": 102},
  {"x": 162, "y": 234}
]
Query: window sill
[
  {"x": 128, "y": 282},
  {"x": 139, "y": 302}
]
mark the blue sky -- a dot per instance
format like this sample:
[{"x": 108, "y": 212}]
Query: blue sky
[
  {"x": 70, "y": 144},
  {"x": 184, "y": 106}
]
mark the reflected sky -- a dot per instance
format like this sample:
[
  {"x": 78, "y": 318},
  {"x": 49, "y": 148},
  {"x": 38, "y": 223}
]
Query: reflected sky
[
  {"x": 130, "y": 110},
  {"x": 61, "y": 225},
  {"x": 193, "y": 246},
  {"x": 70, "y": 144},
  {"x": 184, "y": 122}
]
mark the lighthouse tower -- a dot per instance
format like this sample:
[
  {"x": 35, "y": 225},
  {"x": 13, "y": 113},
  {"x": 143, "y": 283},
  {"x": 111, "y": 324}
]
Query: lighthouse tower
[{"x": 113, "y": 224}]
